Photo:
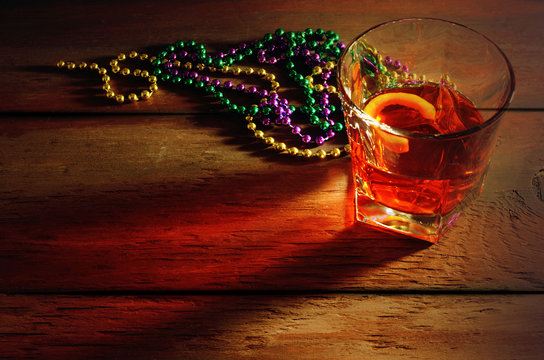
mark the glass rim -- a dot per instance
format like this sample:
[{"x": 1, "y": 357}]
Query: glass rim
[{"x": 406, "y": 133}]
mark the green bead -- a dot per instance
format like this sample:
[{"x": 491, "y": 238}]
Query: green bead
[
  {"x": 218, "y": 95},
  {"x": 170, "y": 48},
  {"x": 199, "y": 84},
  {"x": 268, "y": 37},
  {"x": 308, "y": 92},
  {"x": 176, "y": 79},
  {"x": 324, "y": 125},
  {"x": 301, "y": 41},
  {"x": 162, "y": 54},
  {"x": 242, "y": 109},
  {"x": 332, "y": 108},
  {"x": 248, "y": 51},
  {"x": 311, "y": 110},
  {"x": 239, "y": 57},
  {"x": 279, "y": 32},
  {"x": 313, "y": 44},
  {"x": 309, "y": 31},
  {"x": 165, "y": 77},
  {"x": 259, "y": 45},
  {"x": 253, "y": 110},
  {"x": 232, "y": 107},
  {"x": 157, "y": 72},
  {"x": 156, "y": 62},
  {"x": 191, "y": 43},
  {"x": 338, "y": 127},
  {"x": 290, "y": 65},
  {"x": 290, "y": 35},
  {"x": 219, "y": 63},
  {"x": 188, "y": 82},
  {"x": 305, "y": 82},
  {"x": 180, "y": 44},
  {"x": 225, "y": 101},
  {"x": 209, "y": 89},
  {"x": 310, "y": 101},
  {"x": 319, "y": 32},
  {"x": 208, "y": 61},
  {"x": 266, "y": 110},
  {"x": 314, "y": 119},
  {"x": 292, "y": 108},
  {"x": 289, "y": 53}
]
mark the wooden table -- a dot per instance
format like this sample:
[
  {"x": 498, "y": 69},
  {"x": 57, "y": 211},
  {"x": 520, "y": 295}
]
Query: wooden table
[{"x": 163, "y": 230}]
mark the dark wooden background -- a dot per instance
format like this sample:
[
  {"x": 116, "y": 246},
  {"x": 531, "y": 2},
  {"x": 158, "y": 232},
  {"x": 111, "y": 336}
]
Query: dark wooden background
[{"x": 162, "y": 230}]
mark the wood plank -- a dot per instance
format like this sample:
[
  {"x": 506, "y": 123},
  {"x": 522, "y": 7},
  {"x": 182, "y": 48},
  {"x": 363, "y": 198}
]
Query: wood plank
[
  {"x": 273, "y": 327},
  {"x": 34, "y": 37},
  {"x": 191, "y": 203}
]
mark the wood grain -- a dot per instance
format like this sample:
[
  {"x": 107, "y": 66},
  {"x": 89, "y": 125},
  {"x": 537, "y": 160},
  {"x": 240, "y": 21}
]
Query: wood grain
[
  {"x": 489, "y": 327},
  {"x": 34, "y": 37},
  {"x": 186, "y": 203}
]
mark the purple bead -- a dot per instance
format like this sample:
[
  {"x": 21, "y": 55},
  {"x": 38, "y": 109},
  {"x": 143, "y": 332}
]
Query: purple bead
[
  {"x": 288, "y": 111},
  {"x": 406, "y": 69},
  {"x": 322, "y": 63},
  {"x": 193, "y": 74},
  {"x": 266, "y": 121},
  {"x": 272, "y": 60},
  {"x": 306, "y": 52},
  {"x": 228, "y": 84},
  {"x": 220, "y": 55},
  {"x": 286, "y": 120},
  {"x": 273, "y": 103},
  {"x": 205, "y": 79},
  {"x": 168, "y": 65},
  {"x": 296, "y": 130},
  {"x": 326, "y": 112},
  {"x": 182, "y": 53},
  {"x": 261, "y": 59},
  {"x": 215, "y": 82},
  {"x": 316, "y": 57},
  {"x": 194, "y": 57},
  {"x": 271, "y": 47},
  {"x": 284, "y": 102},
  {"x": 326, "y": 75},
  {"x": 278, "y": 121},
  {"x": 173, "y": 72},
  {"x": 252, "y": 90},
  {"x": 324, "y": 102},
  {"x": 185, "y": 74},
  {"x": 263, "y": 93},
  {"x": 261, "y": 53},
  {"x": 274, "y": 96},
  {"x": 341, "y": 45},
  {"x": 319, "y": 140},
  {"x": 306, "y": 139},
  {"x": 330, "y": 133},
  {"x": 279, "y": 111},
  {"x": 242, "y": 46},
  {"x": 388, "y": 60},
  {"x": 240, "y": 87},
  {"x": 397, "y": 64},
  {"x": 172, "y": 56},
  {"x": 231, "y": 52}
]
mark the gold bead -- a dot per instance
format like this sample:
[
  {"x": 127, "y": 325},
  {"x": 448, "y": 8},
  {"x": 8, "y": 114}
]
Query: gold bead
[
  {"x": 251, "y": 126},
  {"x": 317, "y": 70},
  {"x": 259, "y": 134},
  {"x": 236, "y": 71},
  {"x": 133, "y": 54},
  {"x": 307, "y": 153},
  {"x": 133, "y": 97},
  {"x": 143, "y": 56},
  {"x": 188, "y": 65},
  {"x": 93, "y": 66},
  {"x": 280, "y": 146},
  {"x": 270, "y": 77},
  {"x": 176, "y": 63},
  {"x": 225, "y": 69},
  {"x": 274, "y": 85},
  {"x": 144, "y": 73},
  {"x": 423, "y": 77},
  {"x": 105, "y": 78},
  {"x": 269, "y": 140},
  {"x": 106, "y": 87},
  {"x": 102, "y": 71},
  {"x": 61, "y": 64},
  {"x": 114, "y": 62},
  {"x": 145, "y": 94},
  {"x": 249, "y": 71},
  {"x": 119, "y": 98},
  {"x": 152, "y": 79},
  {"x": 336, "y": 152},
  {"x": 121, "y": 56},
  {"x": 293, "y": 151},
  {"x": 249, "y": 118},
  {"x": 200, "y": 67},
  {"x": 261, "y": 72},
  {"x": 110, "y": 94},
  {"x": 329, "y": 65},
  {"x": 136, "y": 72},
  {"x": 321, "y": 154},
  {"x": 319, "y": 87},
  {"x": 153, "y": 87},
  {"x": 331, "y": 90},
  {"x": 115, "y": 69},
  {"x": 264, "y": 100},
  {"x": 70, "y": 65},
  {"x": 82, "y": 65},
  {"x": 125, "y": 71},
  {"x": 310, "y": 79},
  {"x": 347, "y": 148},
  {"x": 153, "y": 58}
]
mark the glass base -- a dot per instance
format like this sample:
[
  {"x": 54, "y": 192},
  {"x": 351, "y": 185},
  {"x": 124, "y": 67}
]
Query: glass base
[{"x": 426, "y": 227}]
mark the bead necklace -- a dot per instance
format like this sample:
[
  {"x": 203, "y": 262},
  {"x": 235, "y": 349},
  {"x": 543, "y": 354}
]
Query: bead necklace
[{"x": 181, "y": 63}]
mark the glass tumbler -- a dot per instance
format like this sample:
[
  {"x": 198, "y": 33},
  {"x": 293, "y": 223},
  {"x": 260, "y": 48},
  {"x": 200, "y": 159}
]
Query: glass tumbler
[{"x": 422, "y": 100}]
